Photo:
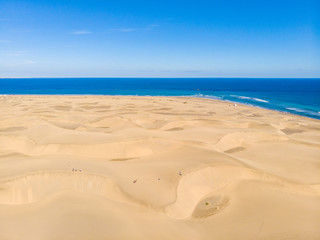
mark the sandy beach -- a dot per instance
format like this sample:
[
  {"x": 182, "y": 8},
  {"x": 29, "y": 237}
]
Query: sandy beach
[{"x": 126, "y": 167}]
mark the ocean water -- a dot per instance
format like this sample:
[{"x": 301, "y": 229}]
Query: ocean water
[{"x": 297, "y": 96}]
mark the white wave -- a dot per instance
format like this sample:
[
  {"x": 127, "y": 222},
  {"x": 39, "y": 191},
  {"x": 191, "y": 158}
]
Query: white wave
[
  {"x": 207, "y": 96},
  {"x": 213, "y": 97},
  {"x": 249, "y": 98},
  {"x": 304, "y": 111},
  {"x": 260, "y": 100},
  {"x": 242, "y": 97},
  {"x": 236, "y": 96},
  {"x": 295, "y": 109}
]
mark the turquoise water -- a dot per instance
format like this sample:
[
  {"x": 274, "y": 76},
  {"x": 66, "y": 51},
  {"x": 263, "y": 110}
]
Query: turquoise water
[{"x": 297, "y": 96}]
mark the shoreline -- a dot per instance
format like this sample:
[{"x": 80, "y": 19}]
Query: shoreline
[
  {"x": 266, "y": 93},
  {"x": 164, "y": 96}
]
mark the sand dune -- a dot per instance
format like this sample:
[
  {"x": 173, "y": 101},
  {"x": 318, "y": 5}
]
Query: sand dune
[{"x": 115, "y": 167}]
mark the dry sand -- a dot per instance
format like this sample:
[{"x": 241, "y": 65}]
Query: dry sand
[{"x": 109, "y": 167}]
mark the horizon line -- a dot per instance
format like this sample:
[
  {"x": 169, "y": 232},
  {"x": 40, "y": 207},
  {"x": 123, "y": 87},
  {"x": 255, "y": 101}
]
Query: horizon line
[{"x": 163, "y": 77}]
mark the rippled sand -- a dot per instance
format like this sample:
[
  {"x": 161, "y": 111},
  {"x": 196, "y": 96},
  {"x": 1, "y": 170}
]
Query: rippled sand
[{"x": 109, "y": 167}]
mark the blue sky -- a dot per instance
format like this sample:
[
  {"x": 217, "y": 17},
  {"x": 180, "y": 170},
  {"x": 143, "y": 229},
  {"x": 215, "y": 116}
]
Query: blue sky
[{"x": 119, "y": 38}]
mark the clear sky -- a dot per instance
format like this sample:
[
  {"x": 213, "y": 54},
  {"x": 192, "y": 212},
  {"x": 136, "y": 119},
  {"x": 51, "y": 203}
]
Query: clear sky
[{"x": 167, "y": 38}]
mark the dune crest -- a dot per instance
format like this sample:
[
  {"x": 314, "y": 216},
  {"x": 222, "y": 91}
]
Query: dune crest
[{"x": 125, "y": 167}]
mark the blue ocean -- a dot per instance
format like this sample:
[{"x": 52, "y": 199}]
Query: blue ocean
[{"x": 296, "y": 96}]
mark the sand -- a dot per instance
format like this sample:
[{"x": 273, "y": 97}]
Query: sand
[{"x": 126, "y": 167}]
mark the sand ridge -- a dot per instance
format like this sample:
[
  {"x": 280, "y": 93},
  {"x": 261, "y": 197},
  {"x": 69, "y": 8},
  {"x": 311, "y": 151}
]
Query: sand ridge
[{"x": 127, "y": 167}]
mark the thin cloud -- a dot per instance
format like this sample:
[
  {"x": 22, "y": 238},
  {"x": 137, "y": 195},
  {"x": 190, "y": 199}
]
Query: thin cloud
[
  {"x": 152, "y": 26},
  {"x": 27, "y": 62},
  {"x": 4, "y": 41},
  {"x": 123, "y": 29},
  {"x": 193, "y": 71},
  {"x": 16, "y": 53},
  {"x": 81, "y": 32},
  {"x": 22, "y": 31},
  {"x": 173, "y": 71},
  {"x": 127, "y": 30}
]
